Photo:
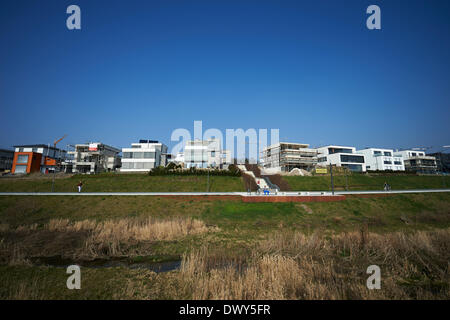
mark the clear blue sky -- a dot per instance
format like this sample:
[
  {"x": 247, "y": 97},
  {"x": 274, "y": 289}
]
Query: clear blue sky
[{"x": 140, "y": 69}]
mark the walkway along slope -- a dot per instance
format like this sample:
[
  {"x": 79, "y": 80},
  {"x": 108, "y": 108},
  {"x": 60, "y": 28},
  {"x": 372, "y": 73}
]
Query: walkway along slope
[{"x": 312, "y": 196}]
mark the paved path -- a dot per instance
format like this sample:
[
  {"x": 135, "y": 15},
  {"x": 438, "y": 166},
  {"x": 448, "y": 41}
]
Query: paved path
[{"x": 287, "y": 193}]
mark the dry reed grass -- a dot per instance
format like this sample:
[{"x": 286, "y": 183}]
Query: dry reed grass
[
  {"x": 296, "y": 266},
  {"x": 88, "y": 239},
  {"x": 138, "y": 229}
]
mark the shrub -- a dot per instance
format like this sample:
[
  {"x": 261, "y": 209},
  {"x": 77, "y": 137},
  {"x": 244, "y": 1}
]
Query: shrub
[{"x": 176, "y": 170}]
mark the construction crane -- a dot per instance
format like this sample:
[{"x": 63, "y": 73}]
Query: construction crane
[
  {"x": 56, "y": 141},
  {"x": 54, "y": 169}
]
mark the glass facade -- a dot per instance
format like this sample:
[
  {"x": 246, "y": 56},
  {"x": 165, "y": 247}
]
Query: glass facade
[
  {"x": 352, "y": 158},
  {"x": 353, "y": 167},
  {"x": 138, "y": 165},
  {"x": 139, "y": 155},
  {"x": 22, "y": 158},
  {"x": 339, "y": 150},
  {"x": 20, "y": 169}
]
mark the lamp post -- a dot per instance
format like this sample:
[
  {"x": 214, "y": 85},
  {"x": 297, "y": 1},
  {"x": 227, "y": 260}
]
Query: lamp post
[
  {"x": 331, "y": 176},
  {"x": 54, "y": 169}
]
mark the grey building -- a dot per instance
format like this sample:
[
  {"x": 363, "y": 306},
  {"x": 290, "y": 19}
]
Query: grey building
[
  {"x": 92, "y": 158},
  {"x": 417, "y": 161},
  {"x": 442, "y": 161},
  {"x": 286, "y": 156},
  {"x": 6, "y": 159}
]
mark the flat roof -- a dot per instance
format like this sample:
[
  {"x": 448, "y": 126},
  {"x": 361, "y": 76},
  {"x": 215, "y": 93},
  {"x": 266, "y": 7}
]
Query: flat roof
[
  {"x": 305, "y": 145},
  {"x": 38, "y": 146},
  {"x": 97, "y": 143},
  {"x": 333, "y": 146},
  {"x": 384, "y": 149}
]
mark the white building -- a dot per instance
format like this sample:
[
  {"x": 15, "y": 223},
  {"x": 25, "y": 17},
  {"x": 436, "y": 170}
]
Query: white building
[
  {"x": 341, "y": 157},
  {"x": 144, "y": 156},
  {"x": 382, "y": 159},
  {"x": 205, "y": 154},
  {"x": 284, "y": 156},
  {"x": 417, "y": 161},
  {"x": 93, "y": 157}
]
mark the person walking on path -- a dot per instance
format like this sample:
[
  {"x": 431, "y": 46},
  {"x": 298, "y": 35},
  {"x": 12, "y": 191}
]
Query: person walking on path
[{"x": 79, "y": 185}]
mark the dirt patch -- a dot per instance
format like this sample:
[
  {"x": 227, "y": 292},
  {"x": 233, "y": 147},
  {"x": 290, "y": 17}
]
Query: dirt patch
[
  {"x": 292, "y": 198},
  {"x": 306, "y": 208}
]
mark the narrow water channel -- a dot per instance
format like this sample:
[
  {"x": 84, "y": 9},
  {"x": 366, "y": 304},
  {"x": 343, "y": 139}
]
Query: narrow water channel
[{"x": 60, "y": 262}]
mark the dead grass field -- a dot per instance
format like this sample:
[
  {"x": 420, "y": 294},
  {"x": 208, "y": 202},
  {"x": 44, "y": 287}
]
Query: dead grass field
[
  {"x": 288, "y": 266},
  {"x": 89, "y": 239},
  {"x": 296, "y": 266}
]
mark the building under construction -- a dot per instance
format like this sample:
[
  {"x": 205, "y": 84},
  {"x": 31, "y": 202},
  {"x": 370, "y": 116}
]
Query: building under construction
[
  {"x": 92, "y": 158},
  {"x": 286, "y": 156}
]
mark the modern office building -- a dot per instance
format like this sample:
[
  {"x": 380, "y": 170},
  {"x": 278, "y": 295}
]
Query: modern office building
[
  {"x": 6, "y": 159},
  {"x": 341, "y": 156},
  {"x": 93, "y": 157},
  {"x": 417, "y": 161},
  {"x": 285, "y": 156},
  {"x": 144, "y": 156},
  {"x": 205, "y": 154},
  {"x": 37, "y": 158},
  {"x": 382, "y": 159}
]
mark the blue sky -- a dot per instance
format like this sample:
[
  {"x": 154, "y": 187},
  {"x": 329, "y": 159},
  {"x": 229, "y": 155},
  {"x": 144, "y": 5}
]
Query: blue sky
[{"x": 140, "y": 69}]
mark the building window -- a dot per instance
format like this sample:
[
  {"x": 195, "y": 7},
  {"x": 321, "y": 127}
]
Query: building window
[
  {"x": 149, "y": 155},
  {"x": 397, "y": 162},
  {"x": 20, "y": 169},
  {"x": 353, "y": 167},
  {"x": 148, "y": 165},
  {"x": 22, "y": 158},
  {"x": 377, "y": 152},
  {"x": 388, "y": 154},
  {"x": 139, "y": 165},
  {"x": 322, "y": 159},
  {"x": 348, "y": 158},
  {"x": 387, "y": 162},
  {"x": 339, "y": 150}
]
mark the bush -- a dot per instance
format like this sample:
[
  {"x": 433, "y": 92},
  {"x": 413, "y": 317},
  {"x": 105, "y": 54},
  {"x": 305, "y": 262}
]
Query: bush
[{"x": 176, "y": 170}]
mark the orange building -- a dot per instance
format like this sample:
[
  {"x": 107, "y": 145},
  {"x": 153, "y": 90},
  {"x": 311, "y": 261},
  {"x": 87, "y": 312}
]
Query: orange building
[
  {"x": 26, "y": 162},
  {"x": 36, "y": 158}
]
